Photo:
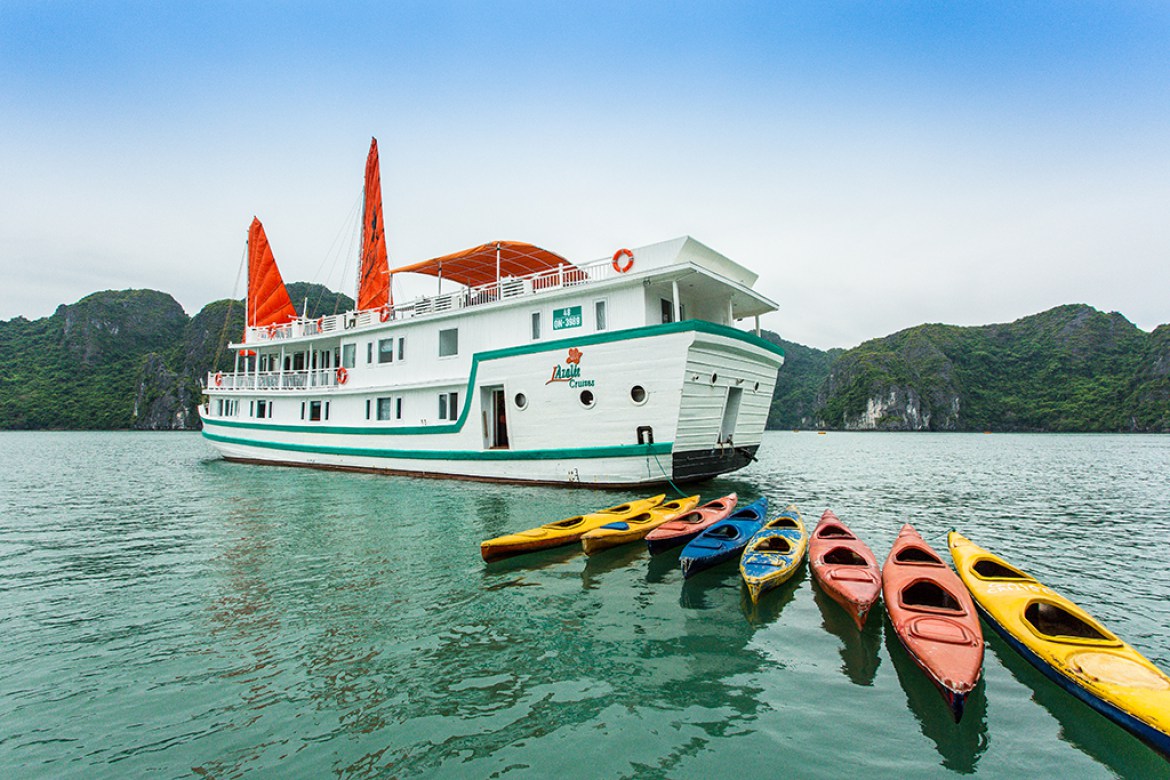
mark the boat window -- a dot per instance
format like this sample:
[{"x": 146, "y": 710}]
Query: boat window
[
  {"x": 349, "y": 355},
  {"x": 667, "y": 310},
  {"x": 449, "y": 406},
  {"x": 401, "y": 348},
  {"x": 262, "y": 409},
  {"x": 638, "y": 394},
  {"x": 775, "y": 544},
  {"x": 599, "y": 315},
  {"x": 1053, "y": 621},
  {"x": 314, "y": 411},
  {"x": 916, "y": 555},
  {"x": 521, "y": 401},
  {"x": 367, "y": 408},
  {"x": 988, "y": 569},
  {"x": 832, "y": 531},
  {"x": 326, "y": 410},
  {"x": 535, "y": 325},
  {"x": 398, "y": 408},
  {"x": 386, "y": 350},
  {"x": 843, "y": 556},
  {"x": 449, "y": 342},
  {"x": 370, "y": 352},
  {"x": 384, "y": 405},
  {"x": 587, "y": 399},
  {"x": 928, "y": 594}
]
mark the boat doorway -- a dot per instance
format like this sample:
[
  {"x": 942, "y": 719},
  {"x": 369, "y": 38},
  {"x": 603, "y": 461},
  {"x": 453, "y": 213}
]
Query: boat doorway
[
  {"x": 730, "y": 414},
  {"x": 495, "y": 418}
]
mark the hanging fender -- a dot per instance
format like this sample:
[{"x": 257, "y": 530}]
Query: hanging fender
[{"x": 622, "y": 267}]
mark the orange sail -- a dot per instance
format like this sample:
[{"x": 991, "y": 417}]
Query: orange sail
[
  {"x": 268, "y": 301},
  {"x": 374, "y": 276}
]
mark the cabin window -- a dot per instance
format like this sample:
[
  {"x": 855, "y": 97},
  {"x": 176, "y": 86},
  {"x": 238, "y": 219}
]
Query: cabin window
[
  {"x": 449, "y": 406},
  {"x": 385, "y": 406},
  {"x": 262, "y": 409},
  {"x": 535, "y": 325},
  {"x": 401, "y": 348},
  {"x": 299, "y": 361},
  {"x": 219, "y": 408},
  {"x": 326, "y": 410},
  {"x": 398, "y": 408},
  {"x": 386, "y": 350},
  {"x": 521, "y": 401},
  {"x": 667, "y": 310},
  {"x": 449, "y": 342},
  {"x": 587, "y": 399},
  {"x": 367, "y": 408},
  {"x": 302, "y": 410},
  {"x": 349, "y": 355},
  {"x": 314, "y": 411},
  {"x": 599, "y": 315},
  {"x": 638, "y": 394},
  {"x": 370, "y": 352}
]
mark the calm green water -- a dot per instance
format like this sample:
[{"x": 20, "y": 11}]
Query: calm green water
[{"x": 167, "y": 614}]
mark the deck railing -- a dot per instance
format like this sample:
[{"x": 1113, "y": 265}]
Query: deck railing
[
  {"x": 507, "y": 288},
  {"x": 275, "y": 381}
]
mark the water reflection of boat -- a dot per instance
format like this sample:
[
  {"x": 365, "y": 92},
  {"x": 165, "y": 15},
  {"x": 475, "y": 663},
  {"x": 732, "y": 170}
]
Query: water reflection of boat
[
  {"x": 859, "y": 649},
  {"x": 765, "y": 611},
  {"x": 1080, "y": 725},
  {"x": 960, "y": 744}
]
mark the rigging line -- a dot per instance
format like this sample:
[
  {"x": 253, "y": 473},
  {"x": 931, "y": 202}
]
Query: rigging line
[
  {"x": 335, "y": 256},
  {"x": 231, "y": 301},
  {"x": 668, "y": 479}
]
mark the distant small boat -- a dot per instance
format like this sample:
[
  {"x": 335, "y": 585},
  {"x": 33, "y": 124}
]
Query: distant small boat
[
  {"x": 845, "y": 567},
  {"x": 687, "y": 526},
  {"x": 934, "y": 617},
  {"x": 635, "y": 528},
  {"x": 561, "y": 532},
  {"x": 774, "y": 553},
  {"x": 724, "y": 540},
  {"x": 1067, "y": 644}
]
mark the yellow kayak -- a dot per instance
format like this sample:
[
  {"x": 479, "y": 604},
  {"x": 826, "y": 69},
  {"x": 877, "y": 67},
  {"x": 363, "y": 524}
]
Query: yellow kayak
[
  {"x": 774, "y": 553},
  {"x": 561, "y": 532},
  {"x": 1067, "y": 644},
  {"x": 636, "y": 527}
]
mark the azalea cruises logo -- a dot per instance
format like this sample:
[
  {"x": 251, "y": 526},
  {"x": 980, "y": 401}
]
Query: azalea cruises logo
[{"x": 571, "y": 371}]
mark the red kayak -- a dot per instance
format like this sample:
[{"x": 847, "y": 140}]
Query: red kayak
[
  {"x": 845, "y": 567},
  {"x": 934, "y": 616},
  {"x": 687, "y": 526}
]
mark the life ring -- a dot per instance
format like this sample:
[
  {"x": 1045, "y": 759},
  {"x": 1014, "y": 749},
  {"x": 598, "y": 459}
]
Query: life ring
[
  {"x": 271, "y": 331},
  {"x": 342, "y": 375},
  {"x": 623, "y": 267},
  {"x": 219, "y": 379},
  {"x": 320, "y": 324},
  {"x": 384, "y": 315}
]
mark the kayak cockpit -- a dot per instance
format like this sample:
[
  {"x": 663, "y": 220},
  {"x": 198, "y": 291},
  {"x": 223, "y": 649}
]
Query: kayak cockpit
[
  {"x": 775, "y": 544},
  {"x": 987, "y": 569},
  {"x": 833, "y": 531},
  {"x": 571, "y": 522},
  {"x": 1055, "y": 622},
  {"x": 843, "y": 556},
  {"x": 917, "y": 555},
  {"x": 925, "y": 595},
  {"x": 783, "y": 522}
]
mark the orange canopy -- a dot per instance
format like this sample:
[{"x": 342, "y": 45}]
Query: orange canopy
[{"x": 477, "y": 266}]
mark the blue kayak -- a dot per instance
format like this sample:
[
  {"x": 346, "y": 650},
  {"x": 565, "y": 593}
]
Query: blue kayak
[{"x": 723, "y": 540}]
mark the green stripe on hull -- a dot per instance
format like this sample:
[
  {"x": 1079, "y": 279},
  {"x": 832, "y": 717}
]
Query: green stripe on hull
[
  {"x": 617, "y": 451},
  {"x": 629, "y": 334}
]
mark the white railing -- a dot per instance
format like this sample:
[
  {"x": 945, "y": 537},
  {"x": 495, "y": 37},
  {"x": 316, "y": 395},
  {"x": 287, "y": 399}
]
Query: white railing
[
  {"x": 506, "y": 289},
  {"x": 274, "y": 381}
]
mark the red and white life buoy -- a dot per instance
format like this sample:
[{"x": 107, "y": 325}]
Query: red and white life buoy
[
  {"x": 621, "y": 268},
  {"x": 384, "y": 315},
  {"x": 320, "y": 324},
  {"x": 342, "y": 375},
  {"x": 219, "y": 379}
]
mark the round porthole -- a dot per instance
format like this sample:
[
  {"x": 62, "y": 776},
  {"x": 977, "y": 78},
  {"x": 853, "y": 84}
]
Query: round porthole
[
  {"x": 713, "y": 378},
  {"x": 638, "y": 394},
  {"x": 587, "y": 399},
  {"x": 521, "y": 401}
]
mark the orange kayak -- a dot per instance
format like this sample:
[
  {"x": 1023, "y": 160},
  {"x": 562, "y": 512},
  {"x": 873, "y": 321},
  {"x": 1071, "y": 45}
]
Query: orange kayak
[
  {"x": 934, "y": 616},
  {"x": 845, "y": 567},
  {"x": 687, "y": 526}
]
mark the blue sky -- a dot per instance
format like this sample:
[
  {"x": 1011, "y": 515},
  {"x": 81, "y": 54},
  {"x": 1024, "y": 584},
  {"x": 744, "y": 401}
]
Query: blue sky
[{"x": 880, "y": 164}]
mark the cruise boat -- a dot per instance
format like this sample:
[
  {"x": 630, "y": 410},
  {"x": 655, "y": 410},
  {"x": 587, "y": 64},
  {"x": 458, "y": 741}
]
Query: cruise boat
[{"x": 523, "y": 367}]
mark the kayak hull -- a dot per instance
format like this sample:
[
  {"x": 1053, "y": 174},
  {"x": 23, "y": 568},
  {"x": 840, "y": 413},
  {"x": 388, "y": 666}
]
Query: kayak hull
[
  {"x": 934, "y": 617},
  {"x": 844, "y": 567},
  {"x": 636, "y": 528},
  {"x": 1067, "y": 644},
  {"x": 688, "y": 525},
  {"x": 774, "y": 554},
  {"x": 561, "y": 532},
  {"x": 725, "y": 540}
]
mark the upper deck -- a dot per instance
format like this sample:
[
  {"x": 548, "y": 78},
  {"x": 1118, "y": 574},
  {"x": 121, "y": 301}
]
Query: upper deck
[{"x": 719, "y": 289}]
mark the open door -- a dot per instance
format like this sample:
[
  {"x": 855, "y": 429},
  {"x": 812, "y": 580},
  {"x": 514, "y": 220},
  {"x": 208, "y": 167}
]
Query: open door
[
  {"x": 730, "y": 414},
  {"x": 495, "y": 418}
]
